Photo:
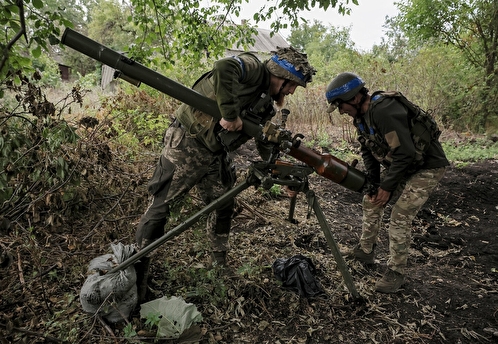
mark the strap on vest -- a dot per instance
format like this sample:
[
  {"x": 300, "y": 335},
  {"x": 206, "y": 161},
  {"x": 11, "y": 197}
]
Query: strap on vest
[{"x": 242, "y": 66}]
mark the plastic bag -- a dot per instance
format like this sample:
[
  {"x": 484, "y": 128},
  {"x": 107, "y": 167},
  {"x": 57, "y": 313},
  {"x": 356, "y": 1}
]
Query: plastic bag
[
  {"x": 297, "y": 274},
  {"x": 113, "y": 296}
]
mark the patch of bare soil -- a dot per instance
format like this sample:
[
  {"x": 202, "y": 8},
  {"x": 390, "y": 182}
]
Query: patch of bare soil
[{"x": 451, "y": 295}]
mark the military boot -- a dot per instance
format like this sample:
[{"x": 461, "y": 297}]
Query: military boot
[
  {"x": 366, "y": 258},
  {"x": 142, "y": 268},
  {"x": 390, "y": 282},
  {"x": 219, "y": 258}
]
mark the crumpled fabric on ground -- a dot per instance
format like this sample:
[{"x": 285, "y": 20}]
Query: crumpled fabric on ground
[
  {"x": 113, "y": 296},
  {"x": 298, "y": 274}
]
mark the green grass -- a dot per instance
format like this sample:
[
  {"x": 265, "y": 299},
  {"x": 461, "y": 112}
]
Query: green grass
[{"x": 462, "y": 154}]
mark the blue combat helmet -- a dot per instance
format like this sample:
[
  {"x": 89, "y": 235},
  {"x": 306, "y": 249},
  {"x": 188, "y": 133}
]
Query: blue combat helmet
[{"x": 343, "y": 88}]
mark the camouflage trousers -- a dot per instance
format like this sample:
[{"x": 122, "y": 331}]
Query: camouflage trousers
[
  {"x": 411, "y": 195},
  {"x": 185, "y": 163}
]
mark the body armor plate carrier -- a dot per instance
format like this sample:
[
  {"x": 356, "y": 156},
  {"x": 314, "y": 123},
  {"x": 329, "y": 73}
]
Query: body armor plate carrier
[{"x": 424, "y": 130}]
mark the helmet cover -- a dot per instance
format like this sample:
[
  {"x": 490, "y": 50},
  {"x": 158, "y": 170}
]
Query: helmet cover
[{"x": 290, "y": 64}]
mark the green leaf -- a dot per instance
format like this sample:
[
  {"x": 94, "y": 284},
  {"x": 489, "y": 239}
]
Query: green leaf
[
  {"x": 38, "y": 4},
  {"x": 23, "y": 62},
  {"x": 67, "y": 23},
  {"x": 15, "y": 26},
  {"x": 53, "y": 40},
  {"x": 17, "y": 80},
  {"x": 36, "y": 52},
  {"x": 12, "y": 8},
  {"x": 7, "y": 13}
]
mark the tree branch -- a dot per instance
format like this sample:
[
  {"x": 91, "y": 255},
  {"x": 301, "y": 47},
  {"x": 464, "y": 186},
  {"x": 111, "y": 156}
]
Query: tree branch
[{"x": 22, "y": 32}]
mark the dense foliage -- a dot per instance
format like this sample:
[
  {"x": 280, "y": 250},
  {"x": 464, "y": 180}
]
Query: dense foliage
[
  {"x": 455, "y": 39},
  {"x": 471, "y": 27}
]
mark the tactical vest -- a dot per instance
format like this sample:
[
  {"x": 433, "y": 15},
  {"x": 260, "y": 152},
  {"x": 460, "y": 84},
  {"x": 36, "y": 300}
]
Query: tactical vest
[
  {"x": 423, "y": 128},
  {"x": 205, "y": 128}
]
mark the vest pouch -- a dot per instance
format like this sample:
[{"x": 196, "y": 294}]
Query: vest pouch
[
  {"x": 380, "y": 152},
  {"x": 423, "y": 127},
  {"x": 423, "y": 130},
  {"x": 198, "y": 124},
  {"x": 421, "y": 138},
  {"x": 202, "y": 127}
]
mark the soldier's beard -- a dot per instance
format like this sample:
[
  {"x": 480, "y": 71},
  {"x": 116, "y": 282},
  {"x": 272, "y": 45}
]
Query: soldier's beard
[{"x": 279, "y": 99}]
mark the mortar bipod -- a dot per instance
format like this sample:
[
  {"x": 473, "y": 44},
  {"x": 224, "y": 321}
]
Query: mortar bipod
[
  {"x": 264, "y": 175},
  {"x": 348, "y": 280},
  {"x": 296, "y": 177}
]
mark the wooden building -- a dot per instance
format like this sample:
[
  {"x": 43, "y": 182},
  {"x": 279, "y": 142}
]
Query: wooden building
[{"x": 64, "y": 71}]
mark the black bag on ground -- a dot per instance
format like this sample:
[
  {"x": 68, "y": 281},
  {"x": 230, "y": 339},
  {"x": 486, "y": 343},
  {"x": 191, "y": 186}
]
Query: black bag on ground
[{"x": 298, "y": 274}]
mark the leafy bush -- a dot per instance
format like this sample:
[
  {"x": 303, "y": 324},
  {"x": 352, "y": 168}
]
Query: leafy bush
[
  {"x": 37, "y": 160},
  {"x": 89, "y": 80},
  {"x": 139, "y": 117},
  {"x": 49, "y": 71},
  {"x": 471, "y": 151}
]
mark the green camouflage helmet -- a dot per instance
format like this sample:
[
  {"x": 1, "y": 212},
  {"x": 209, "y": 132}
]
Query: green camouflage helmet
[
  {"x": 343, "y": 88},
  {"x": 290, "y": 64}
]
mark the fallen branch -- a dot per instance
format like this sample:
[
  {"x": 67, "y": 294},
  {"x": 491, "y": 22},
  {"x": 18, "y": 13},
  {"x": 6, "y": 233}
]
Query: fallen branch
[
  {"x": 107, "y": 327},
  {"x": 19, "y": 268},
  {"x": 32, "y": 333},
  {"x": 244, "y": 205}
]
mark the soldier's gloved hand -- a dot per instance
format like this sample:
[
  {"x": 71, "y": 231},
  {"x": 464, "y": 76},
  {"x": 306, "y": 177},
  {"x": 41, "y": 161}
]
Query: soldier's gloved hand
[
  {"x": 372, "y": 184},
  {"x": 235, "y": 125}
]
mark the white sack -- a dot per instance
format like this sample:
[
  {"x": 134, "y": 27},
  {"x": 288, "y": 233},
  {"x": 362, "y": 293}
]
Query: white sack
[{"x": 113, "y": 296}]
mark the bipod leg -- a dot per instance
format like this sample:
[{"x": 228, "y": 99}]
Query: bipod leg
[
  {"x": 341, "y": 263},
  {"x": 182, "y": 227},
  {"x": 292, "y": 208}
]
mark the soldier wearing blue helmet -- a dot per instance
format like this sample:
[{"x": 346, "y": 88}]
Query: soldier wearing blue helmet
[{"x": 403, "y": 159}]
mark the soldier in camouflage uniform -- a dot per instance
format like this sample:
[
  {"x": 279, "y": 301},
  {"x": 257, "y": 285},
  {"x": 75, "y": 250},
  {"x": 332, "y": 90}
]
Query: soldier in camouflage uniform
[
  {"x": 196, "y": 145},
  {"x": 409, "y": 176}
]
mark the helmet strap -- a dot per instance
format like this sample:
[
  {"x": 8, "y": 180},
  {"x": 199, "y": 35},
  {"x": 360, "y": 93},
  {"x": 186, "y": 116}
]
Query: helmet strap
[{"x": 362, "y": 101}]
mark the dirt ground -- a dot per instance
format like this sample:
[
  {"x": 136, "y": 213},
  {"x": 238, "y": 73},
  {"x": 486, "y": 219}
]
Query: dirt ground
[{"x": 451, "y": 295}]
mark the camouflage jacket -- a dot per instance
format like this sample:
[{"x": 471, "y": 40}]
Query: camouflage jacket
[{"x": 238, "y": 83}]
